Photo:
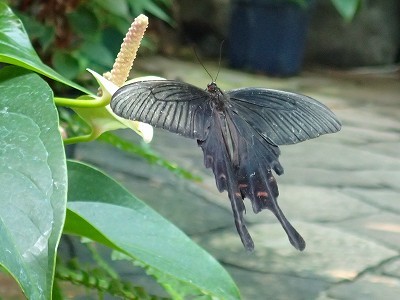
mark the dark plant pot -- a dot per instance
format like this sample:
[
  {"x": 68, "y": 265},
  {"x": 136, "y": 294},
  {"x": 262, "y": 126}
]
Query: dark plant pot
[{"x": 268, "y": 36}]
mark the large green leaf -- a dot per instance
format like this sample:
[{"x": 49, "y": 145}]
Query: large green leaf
[
  {"x": 346, "y": 8},
  {"x": 16, "y": 49},
  {"x": 33, "y": 181},
  {"x": 100, "y": 209}
]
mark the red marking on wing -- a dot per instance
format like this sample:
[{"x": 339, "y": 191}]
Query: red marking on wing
[{"x": 262, "y": 194}]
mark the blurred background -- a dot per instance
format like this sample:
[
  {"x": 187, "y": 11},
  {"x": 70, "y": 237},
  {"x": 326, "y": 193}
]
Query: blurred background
[{"x": 274, "y": 37}]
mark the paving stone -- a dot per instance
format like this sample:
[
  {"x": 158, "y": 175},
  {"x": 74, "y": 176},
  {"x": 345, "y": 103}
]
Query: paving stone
[
  {"x": 366, "y": 179},
  {"x": 384, "y": 199},
  {"x": 384, "y": 228},
  {"x": 331, "y": 254},
  {"x": 392, "y": 268},
  {"x": 355, "y": 135},
  {"x": 390, "y": 149},
  {"x": 320, "y": 154},
  {"x": 320, "y": 204},
  {"x": 324, "y": 296},
  {"x": 367, "y": 118},
  {"x": 261, "y": 286},
  {"x": 368, "y": 287},
  {"x": 306, "y": 203}
]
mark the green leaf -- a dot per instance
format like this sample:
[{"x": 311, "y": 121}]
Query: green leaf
[
  {"x": 143, "y": 6},
  {"x": 33, "y": 181},
  {"x": 157, "y": 11},
  {"x": 102, "y": 210},
  {"x": 66, "y": 64},
  {"x": 346, "y": 8},
  {"x": 16, "y": 49},
  {"x": 97, "y": 53},
  {"x": 117, "y": 8},
  {"x": 44, "y": 33},
  {"x": 84, "y": 22}
]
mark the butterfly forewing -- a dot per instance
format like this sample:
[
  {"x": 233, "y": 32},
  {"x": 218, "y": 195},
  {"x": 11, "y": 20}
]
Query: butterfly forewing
[
  {"x": 283, "y": 117},
  {"x": 172, "y": 105}
]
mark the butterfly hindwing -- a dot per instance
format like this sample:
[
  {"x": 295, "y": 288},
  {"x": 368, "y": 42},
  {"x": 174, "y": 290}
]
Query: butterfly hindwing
[
  {"x": 216, "y": 156},
  {"x": 176, "y": 106},
  {"x": 242, "y": 167},
  {"x": 283, "y": 117},
  {"x": 252, "y": 169}
]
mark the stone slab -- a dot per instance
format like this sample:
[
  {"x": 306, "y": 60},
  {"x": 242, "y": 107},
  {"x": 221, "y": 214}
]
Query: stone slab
[
  {"x": 384, "y": 228},
  {"x": 308, "y": 203},
  {"x": 319, "y": 153},
  {"x": 392, "y": 268},
  {"x": 331, "y": 254},
  {"x": 356, "y": 135},
  {"x": 368, "y": 287},
  {"x": 365, "y": 116},
  {"x": 362, "y": 179},
  {"x": 261, "y": 286},
  {"x": 389, "y": 148},
  {"x": 321, "y": 204},
  {"x": 384, "y": 198}
]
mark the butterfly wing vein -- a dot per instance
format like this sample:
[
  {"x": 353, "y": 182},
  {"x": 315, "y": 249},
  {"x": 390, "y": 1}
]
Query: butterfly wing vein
[{"x": 172, "y": 105}]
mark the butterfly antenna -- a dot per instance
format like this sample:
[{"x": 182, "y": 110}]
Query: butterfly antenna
[
  {"x": 219, "y": 62},
  {"x": 198, "y": 58}
]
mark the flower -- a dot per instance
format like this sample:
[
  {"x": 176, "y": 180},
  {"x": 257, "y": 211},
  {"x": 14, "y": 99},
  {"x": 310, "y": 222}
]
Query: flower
[{"x": 96, "y": 111}]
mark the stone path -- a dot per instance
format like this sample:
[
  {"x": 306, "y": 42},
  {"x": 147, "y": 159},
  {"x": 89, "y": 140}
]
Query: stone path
[{"x": 341, "y": 192}]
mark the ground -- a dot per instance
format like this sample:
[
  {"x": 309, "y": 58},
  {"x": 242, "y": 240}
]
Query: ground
[{"x": 340, "y": 191}]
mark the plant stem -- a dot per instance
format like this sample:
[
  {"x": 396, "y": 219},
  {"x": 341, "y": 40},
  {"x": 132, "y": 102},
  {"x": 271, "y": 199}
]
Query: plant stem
[
  {"x": 80, "y": 139},
  {"x": 80, "y": 102}
]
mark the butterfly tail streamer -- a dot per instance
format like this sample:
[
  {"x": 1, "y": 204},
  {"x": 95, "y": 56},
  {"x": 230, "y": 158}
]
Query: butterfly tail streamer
[
  {"x": 253, "y": 162},
  {"x": 217, "y": 158},
  {"x": 294, "y": 237}
]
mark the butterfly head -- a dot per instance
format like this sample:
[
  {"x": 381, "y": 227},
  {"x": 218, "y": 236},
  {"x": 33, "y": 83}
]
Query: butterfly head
[
  {"x": 217, "y": 97},
  {"x": 213, "y": 88}
]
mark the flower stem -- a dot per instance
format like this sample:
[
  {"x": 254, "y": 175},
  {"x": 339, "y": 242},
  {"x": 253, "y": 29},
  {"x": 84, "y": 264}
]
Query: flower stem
[
  {"x": 80, "y": 139},
  {"x": 80, "y": 103}
]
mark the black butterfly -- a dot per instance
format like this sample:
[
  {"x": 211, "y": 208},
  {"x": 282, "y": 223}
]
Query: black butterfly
[{"x": 239, "y": 132}]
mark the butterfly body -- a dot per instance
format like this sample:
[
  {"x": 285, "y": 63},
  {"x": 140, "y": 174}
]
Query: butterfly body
[
  {"x": 239, "y": 132},
  {"x": 217, "y": 96}
]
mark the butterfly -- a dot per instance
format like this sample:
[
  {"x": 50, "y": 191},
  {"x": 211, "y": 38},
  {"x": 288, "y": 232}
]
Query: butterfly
[{"x": 239, "y": 132}]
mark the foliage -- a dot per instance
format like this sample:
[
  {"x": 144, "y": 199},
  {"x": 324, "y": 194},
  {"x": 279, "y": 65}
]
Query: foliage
[
  {"x": 43, "y": 195},
  {"x": 346, "y": 8},
  {"x": 102, "y": 278},
  {"x": 73, "y": 35}
]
